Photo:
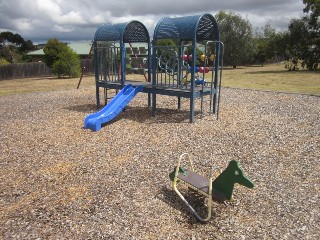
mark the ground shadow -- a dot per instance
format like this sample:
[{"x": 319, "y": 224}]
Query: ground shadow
[
  {"x": 168, "y": 196},
  {"x": 231, "y": 68},
  {"x": 140, "y": 114},
  {"x": 276, "y": 72},
  {"x": 163, "y": 115},
  {"x": 85, "y": 108}
]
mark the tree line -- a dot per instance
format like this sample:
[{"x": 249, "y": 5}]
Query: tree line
[
  {"x": 243, "y": 45},
  {"x": 300, "y": 42}
]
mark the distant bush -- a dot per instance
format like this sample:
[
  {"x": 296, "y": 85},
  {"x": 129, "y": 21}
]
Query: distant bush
[
  {"x": 292, "y": 64},
  {"x": 63, "y": 60},
  {"x": 68, "y": 64},
  {"x": 3, "y": 61}
]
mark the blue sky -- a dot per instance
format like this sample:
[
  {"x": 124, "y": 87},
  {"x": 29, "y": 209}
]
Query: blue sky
[{"x": 39, "y": 20}]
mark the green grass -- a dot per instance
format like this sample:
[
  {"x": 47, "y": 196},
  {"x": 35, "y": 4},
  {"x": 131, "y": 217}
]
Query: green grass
[
  {"x": 271, "y": 77},
  {"x": 27, "y": 85}
]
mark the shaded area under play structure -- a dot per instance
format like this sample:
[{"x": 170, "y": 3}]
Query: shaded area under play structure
[{"x": 165, "y": 70}]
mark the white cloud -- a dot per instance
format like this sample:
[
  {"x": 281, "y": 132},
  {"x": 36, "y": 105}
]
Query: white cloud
[
  {"x": 23, "y": 24},
  {"x": 40, "y": 19},
  {"x": 58, "y": 28},
  {"x": 48, "y": 7},
  {"x": 70, "y": 18}
]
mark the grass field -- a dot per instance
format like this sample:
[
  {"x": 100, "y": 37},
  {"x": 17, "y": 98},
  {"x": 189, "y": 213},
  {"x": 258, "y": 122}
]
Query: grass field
[
  {"x": 273, "y": 78},
  {"x": 269, "y": 77}
]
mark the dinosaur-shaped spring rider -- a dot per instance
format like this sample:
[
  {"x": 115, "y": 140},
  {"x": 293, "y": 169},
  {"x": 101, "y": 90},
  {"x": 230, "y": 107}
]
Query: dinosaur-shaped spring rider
[{"x": 219, "y": 189}]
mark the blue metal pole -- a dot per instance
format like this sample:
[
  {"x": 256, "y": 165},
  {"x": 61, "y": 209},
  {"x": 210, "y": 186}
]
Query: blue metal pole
[
  {"x": 216, "y": 76},
  {"x": 154, "y": 73},
  {"x": 192, "y": 80},
  {"x": 96, "y": 72},
  {"x": 122, "y": 62}
]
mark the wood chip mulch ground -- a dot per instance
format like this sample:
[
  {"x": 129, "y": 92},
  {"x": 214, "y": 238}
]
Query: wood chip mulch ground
[{"x": 60, "y": 181}]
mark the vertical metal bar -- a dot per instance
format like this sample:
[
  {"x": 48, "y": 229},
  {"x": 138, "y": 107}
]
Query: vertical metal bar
[
  {"x": 202, "y": 85},
  {"x": 149, "y": 62},
  {"x": 115, "y": 63},
  {"x": 192, "y": 80},
  {"x": 179, "y": 68},
  {"x": 112, "y": 62},
  {"x": 218, "y": 107},
  {"x": 216, "y": 76},
  {"x": 122, "y": 63},
  {"x": 166, "y": 73},
  {"x": 96, "y": 71},
  {"x": 180, "y": 59},
  {"x": 105, "y": 91},
  {"x": 104, "y": 70},
  {"x": 211, "y": 84},
  {"x": 154, "y": 76}
]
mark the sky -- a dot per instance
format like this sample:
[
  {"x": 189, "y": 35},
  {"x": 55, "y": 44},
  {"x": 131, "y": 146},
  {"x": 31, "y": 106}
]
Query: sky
[{"x": 73, "y": 20}]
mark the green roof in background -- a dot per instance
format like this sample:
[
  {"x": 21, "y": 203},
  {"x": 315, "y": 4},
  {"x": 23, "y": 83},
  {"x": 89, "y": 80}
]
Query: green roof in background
[{"x": 81, "y": 48}]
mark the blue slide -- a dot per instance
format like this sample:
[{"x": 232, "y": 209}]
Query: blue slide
[{"x": 112, "y": 109}]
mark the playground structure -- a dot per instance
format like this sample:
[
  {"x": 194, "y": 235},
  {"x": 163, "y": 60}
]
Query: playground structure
[
  {"x": 219, "y": 189},
  {"x": 167, "y": 70}
]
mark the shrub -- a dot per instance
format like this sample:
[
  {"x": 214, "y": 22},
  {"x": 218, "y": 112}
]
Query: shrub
[{"x": 68, "y": 64}]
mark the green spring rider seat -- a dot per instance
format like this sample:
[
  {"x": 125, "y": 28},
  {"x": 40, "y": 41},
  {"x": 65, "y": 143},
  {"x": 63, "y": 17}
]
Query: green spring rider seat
[{"x": 217, "y": 189}]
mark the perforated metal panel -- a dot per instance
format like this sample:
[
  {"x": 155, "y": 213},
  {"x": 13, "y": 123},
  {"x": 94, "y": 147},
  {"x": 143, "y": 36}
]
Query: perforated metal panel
[
  {"x": 203, "y": 27},
  {"x": 133, "y": 31},
  {"x": 107, "y": 32},
  {"x": 207, "y": 28}
]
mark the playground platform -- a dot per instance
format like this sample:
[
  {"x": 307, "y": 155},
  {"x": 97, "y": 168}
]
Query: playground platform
[{"x": 162, "y": 90}]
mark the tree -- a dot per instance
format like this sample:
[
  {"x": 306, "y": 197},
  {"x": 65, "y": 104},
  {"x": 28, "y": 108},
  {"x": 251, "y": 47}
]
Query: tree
[
  {"x": 299, "y": 38},
  {"x": 13, "y": 47},
  {"x": 304, "y": 43},
  {"x": 165, "y": 42},
  {"x": 52, "y": 50},
  {"x": 312, "y": 56},
  {"x": 313, "y": 7},
  {"x": 271, "y": 45},
  {"x": 68, "y": 64},
  {"x": 63, "y": 60},
  {"x": 236, "y": 34},
  {"x": 261, "y": 42},
  {"x": 3, "y": 61}
]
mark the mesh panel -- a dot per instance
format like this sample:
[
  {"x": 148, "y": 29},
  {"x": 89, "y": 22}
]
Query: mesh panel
[
  {"x": 135, "y": 32},
  {"x": 132, "y": 32},
  {"x": 207, "y": 29},
  {"x": 167, "y": 29},
  {"x": 107, "y": 32},
  {"x": 184, "y": 28}
]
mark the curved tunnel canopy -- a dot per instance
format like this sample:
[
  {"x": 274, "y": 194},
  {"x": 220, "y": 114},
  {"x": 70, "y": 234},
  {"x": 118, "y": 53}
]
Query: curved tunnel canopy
[
  {"x": 203, "y": 27},
  {"x": 133, "y": 31}
]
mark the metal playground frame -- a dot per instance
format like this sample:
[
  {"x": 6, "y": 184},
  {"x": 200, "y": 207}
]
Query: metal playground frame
[{"x": 168, "y": 70}]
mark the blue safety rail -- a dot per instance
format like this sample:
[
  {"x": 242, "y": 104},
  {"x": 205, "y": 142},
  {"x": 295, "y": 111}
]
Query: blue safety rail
[{"x": 108, "y": 63}]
